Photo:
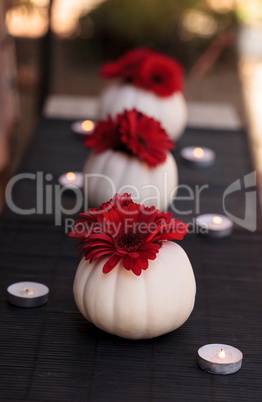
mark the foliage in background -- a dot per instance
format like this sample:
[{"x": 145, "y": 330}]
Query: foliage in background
[
  {"x": 165, "y": 25},
  {"x": 180, "y": 28},
  {"x": 250, "y": 12}
]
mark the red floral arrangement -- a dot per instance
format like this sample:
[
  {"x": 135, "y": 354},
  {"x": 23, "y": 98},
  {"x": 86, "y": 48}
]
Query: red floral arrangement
[
  {"x": 147, "y": 69},
  {"x": 123, "y": 230},
  {"x": 134, "y": 133}
]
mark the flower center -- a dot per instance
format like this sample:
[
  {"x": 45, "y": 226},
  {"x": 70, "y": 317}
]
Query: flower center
[
  {"x": 129, "y": 242},
  {"x": 141, "y": 140},
  {"x": 157, "y": 79}
]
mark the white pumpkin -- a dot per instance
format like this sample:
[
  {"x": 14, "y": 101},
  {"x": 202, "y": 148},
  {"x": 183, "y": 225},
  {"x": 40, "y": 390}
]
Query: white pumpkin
[
  {"x": 113, "y": 172},
  {"x": 158, "y": 301},
  {"x": 171, "y": 111}
]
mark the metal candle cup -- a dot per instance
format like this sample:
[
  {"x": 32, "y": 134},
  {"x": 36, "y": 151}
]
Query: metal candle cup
[
  {"x": 219, "y": 359},
  {"x": 71, "y": 180},
  {"x": 27, "y": 294},
  {"x": 198, "y": 157},
  {"x": 82, "y": 128},
  {"x": 214, "y": 225}
]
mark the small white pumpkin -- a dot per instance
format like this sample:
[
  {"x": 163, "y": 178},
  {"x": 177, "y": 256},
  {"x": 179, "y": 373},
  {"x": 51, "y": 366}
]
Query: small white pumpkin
[
  {"x": 138, "y": 307},
  {"x": 113, "y": 172},
  {"x": 171, "y": 111}
]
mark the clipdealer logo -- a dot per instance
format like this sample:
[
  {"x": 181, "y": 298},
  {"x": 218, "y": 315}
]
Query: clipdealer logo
[
  {"x": 49, "y": 198},
  {"x": 249, "y": 221}
]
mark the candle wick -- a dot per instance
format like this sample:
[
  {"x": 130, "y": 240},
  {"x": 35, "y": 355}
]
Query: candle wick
[{"x": 222, "y": 354}]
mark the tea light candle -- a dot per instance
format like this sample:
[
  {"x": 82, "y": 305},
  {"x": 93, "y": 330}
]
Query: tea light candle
[
  {"x": 198, "y": 157},
  {"x": 214, "y": 225},
  {"x": 83, "y": 127},
  {"x": 219, "y": 359},
  {"x": 71, "y": 180},
  {"x": 27, "y": 294}
]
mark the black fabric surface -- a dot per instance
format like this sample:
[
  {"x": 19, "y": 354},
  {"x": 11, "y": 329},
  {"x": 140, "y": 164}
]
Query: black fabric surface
[{"x": 52, "y": 353}]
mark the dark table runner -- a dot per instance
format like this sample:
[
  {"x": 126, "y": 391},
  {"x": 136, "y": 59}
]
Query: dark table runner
[{"x": 52, "y": 353}]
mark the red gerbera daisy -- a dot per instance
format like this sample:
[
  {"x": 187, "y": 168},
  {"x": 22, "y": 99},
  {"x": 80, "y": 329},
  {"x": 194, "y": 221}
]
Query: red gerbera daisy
[
  {"x": 105, "y": 136},
  {"x": 134, "y": 133},
  {"x": 127, "y": 66},
  {"x": 162, "y": 75},
  {"x": 147, "y": 69},
  {"x": 124, "y": 230},
  {"x": 144, "y": 136}
]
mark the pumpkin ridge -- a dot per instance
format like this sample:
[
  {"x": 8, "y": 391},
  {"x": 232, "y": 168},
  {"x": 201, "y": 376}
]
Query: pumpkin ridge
[
  {"x": 122, "y": 155},
  {"x": 118, "y": 101},
  {"x": 94, "y": 264},
  {"x": 164, "y": 109},
  {"x": 89, "y": 161},
  {"x": 99, "y": 323},
  {"x": 164, "y": 257},
  {"x": 175, "y": 113},
  {"x": 115, "y": 299},
  {"x": 166, "y": 265},
  {"x": 78, "y": 296},
  {"x": 153, "y": 109},
  {"x": 146, "y": 302},
  {"x": 128, "y": 89},
  {"x": 134, "y": 169},
  {"x": 106, "y": 159},
  {"x": 105, "y": 168},
  {"x": 126, "y": 166}
]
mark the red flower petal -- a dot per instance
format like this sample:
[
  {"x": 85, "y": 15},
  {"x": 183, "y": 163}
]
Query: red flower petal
[
  {"x": 105, "y": 136},
  {"x": 142, "y": 263},
  {"x": 131, "y": 264},
  {"x": 111, "y": 263},
  {"x": 141, "y": 231},
  {"x": 95, "y": 254},
  {"x": 144, "y": 137},
  {"x": 102, "y": 237},
  {"x": 133, "y": 133},
  {"x": 149, "y": 250},
  {"x": 126, "y": 66},
  {"x": 147, "y": 69},
  {"x": 161, "y": 75},
  {"x": 136, "y": 269}
]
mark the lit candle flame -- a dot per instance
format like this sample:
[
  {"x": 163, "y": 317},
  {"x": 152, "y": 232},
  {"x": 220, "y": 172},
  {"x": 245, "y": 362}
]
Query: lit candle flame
[
  {"x": 87, "y": 125},
  {"x": 70, "y": 176},
  {"x": 222, "y": 354},
  {"x": 198, "y": 153},
  {"x": 27, "y": 292},
  {"x": 217, "y": 220}
]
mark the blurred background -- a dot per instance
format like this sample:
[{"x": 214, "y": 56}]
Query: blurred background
[{"x": 55, "y": 47}]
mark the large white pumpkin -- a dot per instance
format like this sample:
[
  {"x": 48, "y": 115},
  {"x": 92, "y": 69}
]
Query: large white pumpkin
[
  {"x": 171, "y": 111},
  {"x": 158, "y": 301},
  {"x": 113, "y": 172}
]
